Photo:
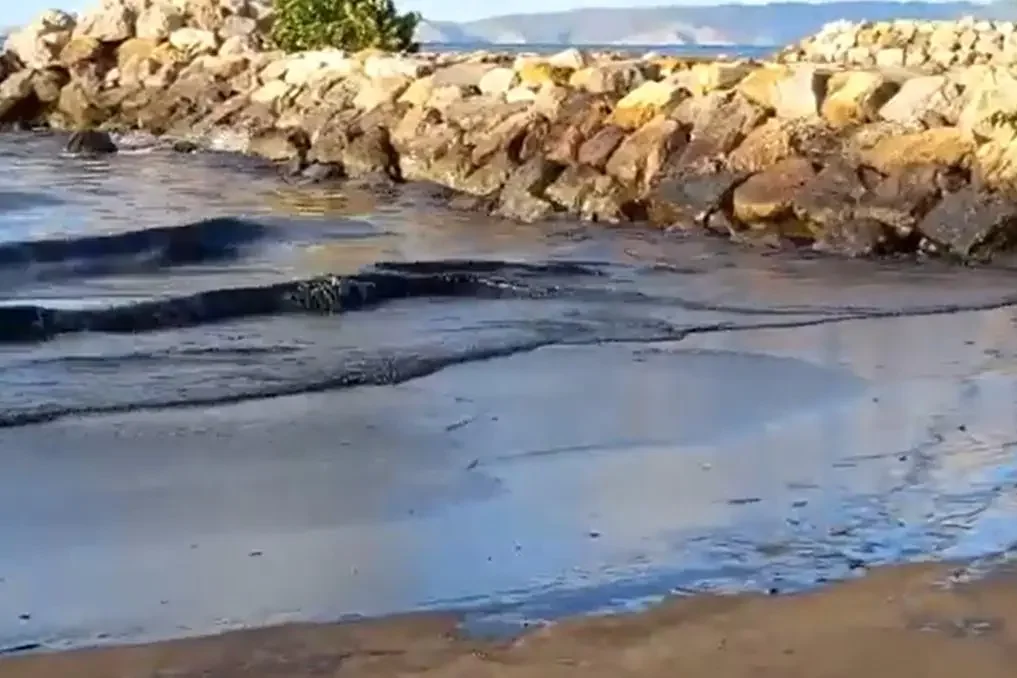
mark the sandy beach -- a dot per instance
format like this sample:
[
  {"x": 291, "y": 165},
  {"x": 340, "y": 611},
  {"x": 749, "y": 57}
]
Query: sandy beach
[{"x": 900, "y": 623}]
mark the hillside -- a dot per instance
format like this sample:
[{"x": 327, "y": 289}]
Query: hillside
[{"x": 772, "y": 24}]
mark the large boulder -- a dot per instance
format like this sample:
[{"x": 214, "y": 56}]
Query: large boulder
[
  {"x": 39, "y": 44},
  {"x": 159, "y": 21},
  {"x": 112, "y": 21},
  {"x": 646, "y": 102},
  {"x": 928, "y": 100},
  {"x": 724, "y": 120},
  {"x": 15, "y": 92},
  {"x": 970, "y": 224},
  {"x": 640, "y": 157},
  {"x": 942, "y": 146},
  {"x": 769, "y": 195},
  {"x": 855, "y": 97}
]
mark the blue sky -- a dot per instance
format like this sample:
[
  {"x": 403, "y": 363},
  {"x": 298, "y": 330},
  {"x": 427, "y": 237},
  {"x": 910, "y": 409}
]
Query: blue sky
[{"x": 20, "y": 11}]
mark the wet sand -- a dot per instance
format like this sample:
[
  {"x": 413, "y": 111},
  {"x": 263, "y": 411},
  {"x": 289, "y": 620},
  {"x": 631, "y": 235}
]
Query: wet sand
[{"x": 896, "y": 623}]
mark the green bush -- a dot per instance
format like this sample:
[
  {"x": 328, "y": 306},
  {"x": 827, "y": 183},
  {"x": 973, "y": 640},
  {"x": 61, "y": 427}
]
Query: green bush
[{"x": 352, "y": 25}]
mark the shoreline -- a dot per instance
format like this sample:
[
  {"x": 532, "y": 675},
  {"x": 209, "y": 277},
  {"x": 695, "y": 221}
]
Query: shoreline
[
  {"x": 884, "y": 158},
  {"x": 897, "y": 621}
]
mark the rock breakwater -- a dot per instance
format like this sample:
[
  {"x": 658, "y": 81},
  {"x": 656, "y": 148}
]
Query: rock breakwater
[{"x": 852, "y": 160}]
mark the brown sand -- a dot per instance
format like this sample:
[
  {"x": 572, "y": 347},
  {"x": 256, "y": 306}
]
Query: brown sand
[{"x": 898, "y": 622}]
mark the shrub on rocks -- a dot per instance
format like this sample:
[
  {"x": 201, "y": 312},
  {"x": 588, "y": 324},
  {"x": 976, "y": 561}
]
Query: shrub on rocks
[{"x": 347, "y": 24}]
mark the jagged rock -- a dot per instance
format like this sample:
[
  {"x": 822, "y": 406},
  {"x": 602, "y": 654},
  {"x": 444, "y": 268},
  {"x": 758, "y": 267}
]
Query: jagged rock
[
  {"x": 522, "y": 197},
  {"x": 826, "y": 202},
  {"x": 375, "y": 93},
  {"x": 856, "y": 97},
  {"x": 970, "y": 223},
  {"x": 80, "y": 51},
  {"x": 497, "y": 81},
  {"x": 995, "y": 166},
  {"x": 237, "y": 27},
  {"x": 721, "y": 124},
  {"x": 944, "y": 146},
  {"x": 158, "y": 22},
  {"x": 990, "y": 108},
  {"x": 501, "y": 136},
  {"x": 194, "y": 41},
  {"x": 595, "y": 151},
  {"x": 608, "y": 78},
  {"x": 641, "y": 155},
  {"x": 91, "y": 142},
  {"x": 14, "y": 94},
  {"x": 923, "y": 100},
  {"x": 646, "y": 102},
  {"x": 768, "y": 196},
  {"x": 462, "y": 75},
  {"x": 380, "y": 67},
  {"x": 113, "y": 21},
  {"x": 40, "y": 43},
  {"x": 571, "y": 59},
  {"x": 277, "y": 145},
  {"x": 902, "y": 199},
  {"x": 77, "y": 107},
  {"x": 691, "y": 200},
  {"x": 535, "y": 73},
  {"x": 589, "y": 194},
  {"x": 238, "y": 45},
  {"x": 47, "y": 84},
  {"x": 779, "y": 138},
  {"x": 704, "y": 78}
]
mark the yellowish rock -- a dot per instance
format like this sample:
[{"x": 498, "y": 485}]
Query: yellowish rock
[
  {"x": 645, "y": 102},
  {"x": 855, "y": 97},
  {"x": 536, "y": 74},
  {"x": 995, "y": 165},
  {"x": 946, "y": 146},
  {"x": 769, "y": 195},
  {"x": 716, "y": 75},
  {"x": 641, "y": 155},
  {"x": 418, "y": 92},
  {"x": 79, "y": 50},
  {"x": 375, "y": 93}
]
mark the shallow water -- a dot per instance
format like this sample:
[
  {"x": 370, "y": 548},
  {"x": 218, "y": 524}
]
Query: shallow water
[{"x": 651, "y": 414}]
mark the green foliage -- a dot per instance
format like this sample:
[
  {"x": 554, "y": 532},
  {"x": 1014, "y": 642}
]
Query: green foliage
[{"x": 352, "y": 25}]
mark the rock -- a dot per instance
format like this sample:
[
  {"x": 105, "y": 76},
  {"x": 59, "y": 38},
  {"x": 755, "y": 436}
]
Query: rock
[
  {"x": 375, "y": 93},
  {"x": 608, "y": 78},
  {"x": 691, "y": 200},
  {"x": 277, "y": 145},
  {"x": 768, "y": 196},
  {"x": 522, "y": 196},
  {"x": 900, "y": 200},
  {"x": 380, "y": 67},
  {"x": 640, "y": 156},
  {"x": 14, "y": 91},
  {"x": 704, "y": 78},
  {"x": 943, "y": 146},
  {"x": 789, "y": 92},
  {"x": 721, "y": 124},
  {"x": 38, "y": 44},
  {"x": 134, "y": 49},
  {"x": 990, "y": 109},
  {"x": 158, "y": 22},
  {"x": 497, "y": 81},
  {"x": 856, "y": 97},
  {"x": 271, "y": 93},
  {"x": 462, "y": 75},
  {"x": 595, "y": 151},
  {"x": 237, "y": 27},
  {"x": 995, "y": 166},
  {"x": 922, "y": 98},
  {"x": 91, "y": 142},
  {"x": 505, "y": 135},
  {"x": 588, "y": 194},
  {"x": 80, "y": 51},
  {"x": 47, "y": 84},
  {"x": 535, "y": 74},
  {"x": 113, "y": 21},
  {"x": 826, "y": 202},
  {"x": 779, "y": 138},
  {"x": 238, "y": 46},
  {"x": 570, "y": 59},
  {"x": 77, "y": 108},
  {"x": 970, "y": 223},
  {"x": 646, "y": 102},
  {"x": 194, "y": 41},
  {"x": 520, "y": 94}
]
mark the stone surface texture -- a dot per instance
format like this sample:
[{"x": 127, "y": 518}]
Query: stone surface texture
[{"x": 864, "y": 139}]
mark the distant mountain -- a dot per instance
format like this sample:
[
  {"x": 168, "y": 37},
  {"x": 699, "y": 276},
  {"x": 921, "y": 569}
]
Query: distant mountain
[{"x": 779, "y": 23}]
